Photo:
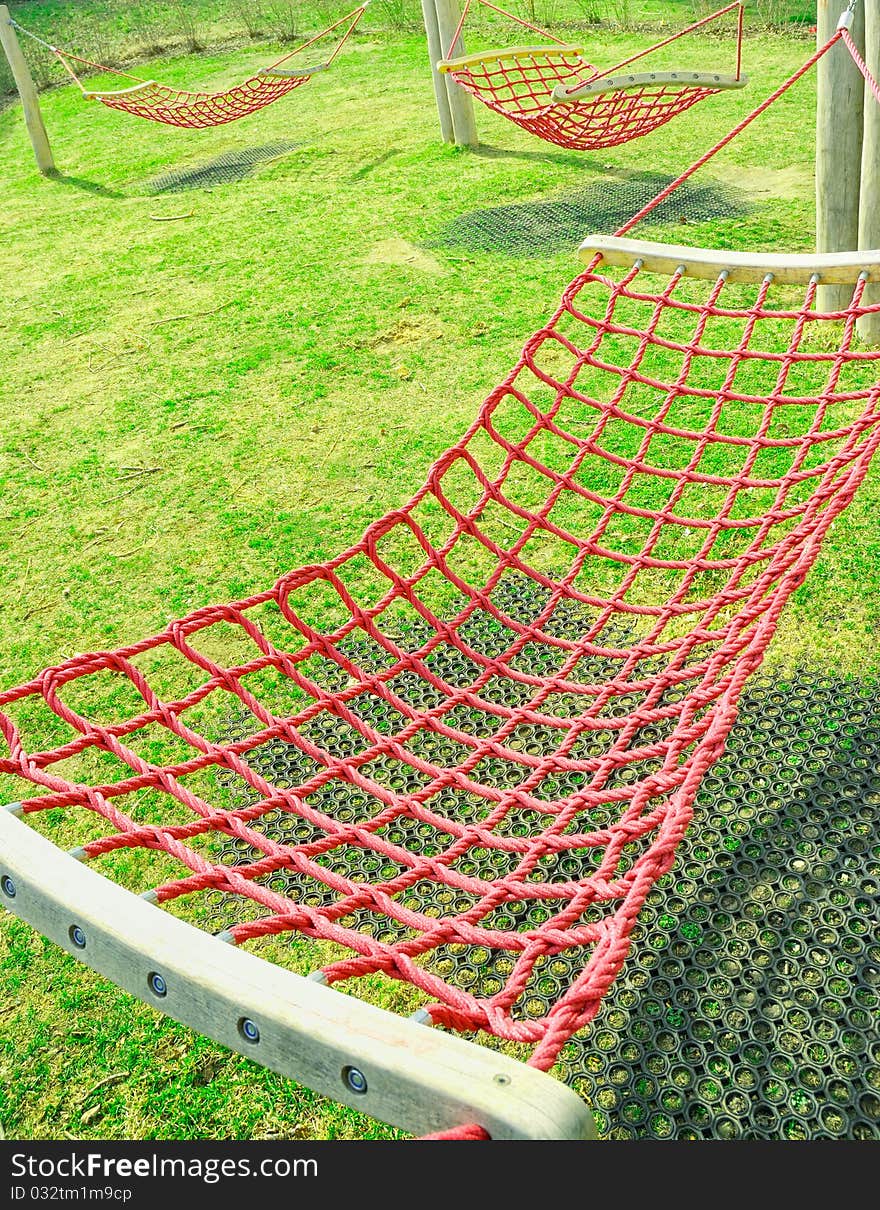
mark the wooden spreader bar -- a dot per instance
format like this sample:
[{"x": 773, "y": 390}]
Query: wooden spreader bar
[
  {"x": 96, "y": 94},
  {"x": 293, "y": 72},
  {"x": 479, "y": 58},
  {"x": 395, "y": 1069},
  {"x": 709, "y": 263},
  {"x": 690, "y": 79}
]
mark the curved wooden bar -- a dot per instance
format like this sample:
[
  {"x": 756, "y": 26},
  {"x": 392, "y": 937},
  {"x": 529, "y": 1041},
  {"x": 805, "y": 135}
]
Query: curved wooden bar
[
  {"x": 687, "y": 79},
  {"x": 827, "y": 268},
  {"x": 395, "y": 1069},
  {"x": 95, "y": 95},
  {"x": 511, "y": 52}
]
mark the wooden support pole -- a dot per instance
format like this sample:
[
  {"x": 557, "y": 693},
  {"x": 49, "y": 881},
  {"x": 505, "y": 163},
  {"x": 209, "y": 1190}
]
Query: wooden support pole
[
  {"x": 28, "y": 93},
  {"x": 839, "y": 113},
  {"x": 435, "y": 54},
  {"x": 461, "y": 105},
  {"x": 869, "y": 205}
]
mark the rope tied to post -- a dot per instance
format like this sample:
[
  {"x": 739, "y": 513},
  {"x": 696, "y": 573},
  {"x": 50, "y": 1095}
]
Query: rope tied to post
[
  {"x": 556, "y": 93},
  {"x": 196, "y": 110}
]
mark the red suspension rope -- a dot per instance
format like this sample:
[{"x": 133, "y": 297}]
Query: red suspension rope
[
  {"x": 536, "y": 29},
  {"x": 543, "y": 33},
  {"x": 681, "y": 34},
  {"x": 846, "y": 38},
  {"x": 353, "y": 17},
  {"x": 731, "y": 135}
]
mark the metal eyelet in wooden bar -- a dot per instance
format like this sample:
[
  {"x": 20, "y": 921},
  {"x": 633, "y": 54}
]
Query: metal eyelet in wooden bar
[
  {"x": 687, "y": 79},
  {"x": 120, "y": 92},
  {"x": 511, "y": 52},
  {"x": 709, "y": 263},
  {"x": 414, "y": 1077}
]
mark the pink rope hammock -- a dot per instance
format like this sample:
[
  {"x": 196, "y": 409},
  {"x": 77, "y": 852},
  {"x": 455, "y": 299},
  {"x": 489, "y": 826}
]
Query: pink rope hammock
[
  {"x": 658, "y": 471},
  {"x": 555, "y": 93},
  {"x": 197, "y": 110}
]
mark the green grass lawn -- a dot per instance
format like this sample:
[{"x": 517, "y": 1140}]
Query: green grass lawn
[{"x": 205, "y": 389}]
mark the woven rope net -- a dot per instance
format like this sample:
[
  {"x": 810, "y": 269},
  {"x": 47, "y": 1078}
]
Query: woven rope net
[
  {"x": 528, "y": 667},
  {"x": 521, "y": 89},
  {"x": 195, "y": 110},
  {"x": 519, "y": 83}
]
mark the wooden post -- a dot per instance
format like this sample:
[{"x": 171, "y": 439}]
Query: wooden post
[
  {"x": 461, "y": 105},
  {"x": 28, "y": 93},
  {"x": 839, "y": 113},
  {"x": 435, "y": 54},
  {"x": 869, "y": 207}
]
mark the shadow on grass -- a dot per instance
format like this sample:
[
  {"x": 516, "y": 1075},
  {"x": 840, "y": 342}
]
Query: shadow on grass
[
  {"x": 545, "y": 225},
  {"x": 564, "y": 159},
  {"x": 78, "y": 182},
  {"x": 225, "y": 169}
]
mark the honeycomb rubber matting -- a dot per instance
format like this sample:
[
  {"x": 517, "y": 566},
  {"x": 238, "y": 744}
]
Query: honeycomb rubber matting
[
  {"x": 747, "y": 1007},
  {"x": 542, "y": 227}
]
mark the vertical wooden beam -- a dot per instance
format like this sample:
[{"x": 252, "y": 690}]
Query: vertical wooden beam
[
  {"x": 839, "y": 113},
  {"x": 28, "y": 93},
  {"x": 869, "y": 205},
  {"x": 435, "y": 54},
  {"x": 461, "y": 105}
]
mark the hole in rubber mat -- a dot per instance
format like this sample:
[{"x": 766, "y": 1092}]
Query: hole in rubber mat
[
  {"x": 232, "y": 166},
  {"x": 747, "y": 1007},
  {"x": 549, "y": 225}
]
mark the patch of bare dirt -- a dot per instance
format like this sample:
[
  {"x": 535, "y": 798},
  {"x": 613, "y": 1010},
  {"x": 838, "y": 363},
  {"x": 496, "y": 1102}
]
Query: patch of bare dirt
[{"x": 401, "y": 252}]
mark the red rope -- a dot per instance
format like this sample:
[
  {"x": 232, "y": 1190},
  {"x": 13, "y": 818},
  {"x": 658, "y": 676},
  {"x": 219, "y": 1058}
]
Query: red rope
[
  {"x": 536, "y": 29},
  {"x": 354, "y": 17},
  {"x": 846, "y": 38},
  {"x": 64, "y": 55},
  {"x": 461, "y": 1134},
  {"x": 731, "y": 135},
  {"x": 195, "y": 110},
  {"x": 681, "y": 34},
  {"x": 521, "y": 88}
]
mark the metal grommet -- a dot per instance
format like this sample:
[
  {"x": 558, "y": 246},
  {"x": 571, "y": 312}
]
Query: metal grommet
[
  {"x": 9, "y": 888},
  {"x": 77, "y": 936},
  {"x": 249, "y": 1030},
  {"x": 157, "y": 984},
  {"x": 354, "y": 1080}
]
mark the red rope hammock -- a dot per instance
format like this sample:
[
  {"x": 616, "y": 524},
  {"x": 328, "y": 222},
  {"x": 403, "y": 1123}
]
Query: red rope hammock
[
  {"x": 524, "y": 84},
  {"x": 586, "y": 474},
  {"x": 196, "y": 110},
  {"x": 520, "y": 92},
  {"x": 631, "y": 509}
]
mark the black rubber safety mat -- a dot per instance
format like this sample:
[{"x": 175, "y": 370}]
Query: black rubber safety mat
[
  {"x": 546, "y": 225},
  {"x": 747, "y": 1007},
  {"x": 232, "y": 166}
]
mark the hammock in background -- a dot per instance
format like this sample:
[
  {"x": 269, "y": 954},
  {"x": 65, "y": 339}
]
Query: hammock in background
[
  {"x": 196, "y": 110},
  {"x": 554, "y": 92}
]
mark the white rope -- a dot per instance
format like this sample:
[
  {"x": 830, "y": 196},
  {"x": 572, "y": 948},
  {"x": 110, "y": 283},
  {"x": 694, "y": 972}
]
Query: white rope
[{"x": 27, "y": 33}]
